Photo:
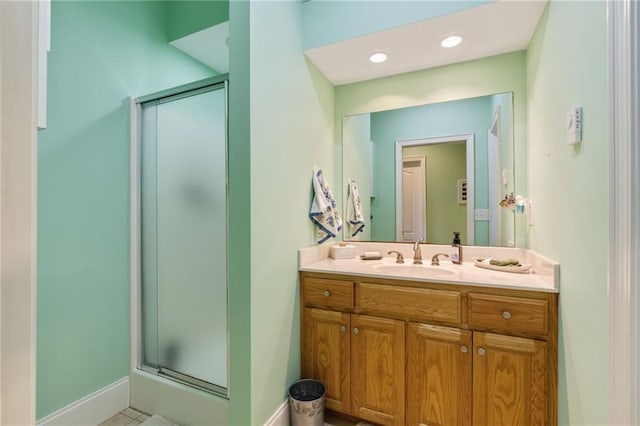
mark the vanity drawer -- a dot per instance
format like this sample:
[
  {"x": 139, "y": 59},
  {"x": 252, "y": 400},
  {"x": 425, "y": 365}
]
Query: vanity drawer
[
  {"x": 516, "y": 314},
  {"x": 328, "y": 293},
  {"x": 416, "y": 304}
]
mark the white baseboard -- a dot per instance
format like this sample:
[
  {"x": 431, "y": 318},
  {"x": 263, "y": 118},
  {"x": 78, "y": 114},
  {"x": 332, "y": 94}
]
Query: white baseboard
[
  {"x": 93, "y": 409},
  {"x": 280, "y": 417}
]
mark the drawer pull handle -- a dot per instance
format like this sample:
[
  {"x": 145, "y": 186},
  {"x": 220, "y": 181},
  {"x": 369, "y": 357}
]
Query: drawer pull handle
[
  {"x": 326, "y": 293},
  {"x": 464, "y": 349},
  {"x": 343, "y": 328},
  {"x": 355, "y": 330},
  {"x": 506, "y": 315},
  {"x": 481, "y": 351}
]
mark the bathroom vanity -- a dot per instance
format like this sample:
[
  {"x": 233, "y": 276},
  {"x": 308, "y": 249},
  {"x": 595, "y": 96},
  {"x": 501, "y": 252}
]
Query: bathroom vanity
[{"x": 419, "y": 345}]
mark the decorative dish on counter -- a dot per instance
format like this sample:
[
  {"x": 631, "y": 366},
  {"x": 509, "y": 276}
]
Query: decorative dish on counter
[{"x": 503, "y": 265}]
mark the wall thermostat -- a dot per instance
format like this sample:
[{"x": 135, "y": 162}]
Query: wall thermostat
[{"x": 574, "y": 125}]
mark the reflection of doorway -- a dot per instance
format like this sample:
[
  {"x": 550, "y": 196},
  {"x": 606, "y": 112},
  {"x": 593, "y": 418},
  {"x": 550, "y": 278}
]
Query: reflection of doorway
[
  {"x": 444, "y": 213},
  {"x": 413, "y": 199}
]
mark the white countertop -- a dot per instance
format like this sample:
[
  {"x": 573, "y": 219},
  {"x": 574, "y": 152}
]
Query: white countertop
[{"x": 544, "y": 277}]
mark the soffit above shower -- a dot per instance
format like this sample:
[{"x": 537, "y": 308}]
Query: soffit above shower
[
  {"x": 490, "y": 29},
  {"x": 209, "y": 46}
]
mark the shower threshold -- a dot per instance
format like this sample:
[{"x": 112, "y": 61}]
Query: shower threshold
[{"x": 188, "y": 380}]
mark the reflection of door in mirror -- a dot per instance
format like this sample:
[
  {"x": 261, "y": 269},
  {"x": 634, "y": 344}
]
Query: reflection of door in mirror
[
  {"x": 445, "y": 162},
  {"x": 413, "y": 199}
]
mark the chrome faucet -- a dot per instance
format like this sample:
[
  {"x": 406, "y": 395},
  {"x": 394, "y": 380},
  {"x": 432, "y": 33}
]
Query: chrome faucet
[
  {"x": 435, "y": 261},
  {"x": 417, "y": 254}
]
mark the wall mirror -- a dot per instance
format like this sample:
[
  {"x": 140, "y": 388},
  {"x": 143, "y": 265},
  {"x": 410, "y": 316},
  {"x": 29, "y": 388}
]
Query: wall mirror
[{"x": 423, "y": 172}]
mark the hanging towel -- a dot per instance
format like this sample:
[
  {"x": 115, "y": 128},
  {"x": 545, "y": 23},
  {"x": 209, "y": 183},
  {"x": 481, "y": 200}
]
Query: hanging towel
[
  {"x": 324, "y": 213},
  {"x": 354, "y": 210}
]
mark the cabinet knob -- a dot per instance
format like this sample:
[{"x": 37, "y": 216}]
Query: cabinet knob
[
  {"x": 481, "y": 351},
  {"x": 506, "y": 315},
  {"x": 464, "y": 349},
  {"x": 326, "y": 293},
  {"x": 343, "y": 328},
  {"x": 355, "y": 330}
]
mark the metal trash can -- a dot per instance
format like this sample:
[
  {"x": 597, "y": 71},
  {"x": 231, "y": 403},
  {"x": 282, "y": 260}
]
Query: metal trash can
[{"x": 306, "y": 403}]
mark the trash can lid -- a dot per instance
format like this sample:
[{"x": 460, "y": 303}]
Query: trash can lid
[{"x": 306, "y": 390}]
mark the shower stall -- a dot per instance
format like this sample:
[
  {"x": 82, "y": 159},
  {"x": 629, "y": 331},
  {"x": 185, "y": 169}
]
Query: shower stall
[{"x": 180, "y": 235}]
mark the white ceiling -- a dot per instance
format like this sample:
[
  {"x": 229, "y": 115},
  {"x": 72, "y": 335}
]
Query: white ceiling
[
  {"x": 491, "y": 29},
  {"x": 208, "y": 46}
]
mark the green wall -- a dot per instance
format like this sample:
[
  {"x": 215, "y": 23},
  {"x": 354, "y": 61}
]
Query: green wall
[
  {"x": 240, "y": 256},
  {"x": 567, "y": 67},
  {"x": 292, "y": 128},
  {"x": 496, "y": 74},
  {"x": 434, "y": 120},
  {"x": 190, "y": 16},
  {"x": 330, "y": 21},
  {"x": 357, "y": 151},
  {"x": 101, "y": 53},
  {"x": 445, "y": 164}
]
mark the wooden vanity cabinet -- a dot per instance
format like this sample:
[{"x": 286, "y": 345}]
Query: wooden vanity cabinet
[
  {"x": 359, "y": 358},
  {"x": 400, "y": 352},
  {"x": 438, "y": 375},
  {"x": 326, "y": 354},
  {"x": 377, "y": 369},
  {"x": 509, "y": 380}
]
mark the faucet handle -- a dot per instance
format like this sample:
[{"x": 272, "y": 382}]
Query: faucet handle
[
  {"x": 400, "y": 258},
  {"x": 417, "y": 253},
  {"x": 435, "y": 261}
]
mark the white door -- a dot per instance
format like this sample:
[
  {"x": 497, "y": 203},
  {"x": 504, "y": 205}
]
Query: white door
[{"x": 413, "y": 199}]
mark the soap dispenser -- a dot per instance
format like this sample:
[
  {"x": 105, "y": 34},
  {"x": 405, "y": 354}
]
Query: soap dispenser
[{"x": 456, "y": 254}]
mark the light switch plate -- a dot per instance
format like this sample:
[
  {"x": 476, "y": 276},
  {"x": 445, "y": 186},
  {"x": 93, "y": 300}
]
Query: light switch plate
[{"x": 481, "y": 214}]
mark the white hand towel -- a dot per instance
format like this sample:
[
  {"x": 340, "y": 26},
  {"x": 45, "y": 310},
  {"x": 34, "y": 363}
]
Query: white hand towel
[
  {"x": 354, "y": 210},
  {"x": 324, "y": 213}
]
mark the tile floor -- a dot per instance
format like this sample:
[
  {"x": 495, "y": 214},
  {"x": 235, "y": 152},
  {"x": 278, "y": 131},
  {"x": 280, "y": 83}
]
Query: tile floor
[
  {"x": 331, "y": 419},
  {"x": 126, "y": 417},
  {"x": 131, "y": 417}
]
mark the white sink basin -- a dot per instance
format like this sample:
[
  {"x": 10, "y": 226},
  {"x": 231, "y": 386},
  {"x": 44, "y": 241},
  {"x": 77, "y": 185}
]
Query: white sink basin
[{"x": 416, "y": 270}]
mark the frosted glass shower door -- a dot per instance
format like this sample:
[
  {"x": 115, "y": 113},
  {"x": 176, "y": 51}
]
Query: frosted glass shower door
[{"x": 184, "y": 236}]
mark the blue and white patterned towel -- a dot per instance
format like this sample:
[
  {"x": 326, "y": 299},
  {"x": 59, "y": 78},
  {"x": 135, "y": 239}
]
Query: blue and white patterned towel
[
  {"x": 324, "y": 213},
  {"x": 354, "y": 210}
]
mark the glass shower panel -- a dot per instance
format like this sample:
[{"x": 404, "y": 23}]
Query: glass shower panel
[{"x": 184, "y": 261}]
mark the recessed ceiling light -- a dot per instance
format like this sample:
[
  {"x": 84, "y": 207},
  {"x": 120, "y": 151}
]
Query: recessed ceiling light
[
  {"x": 378, "y": 57},
  {"x": 451, "y": 41}
]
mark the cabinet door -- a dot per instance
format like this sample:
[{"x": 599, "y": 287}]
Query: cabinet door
[
  {"x": 509, "y": 380},
  {"x": 325, "y": 354},
  {"x": 377, "y": 369},
  {"x": 438, "y": 375}
]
